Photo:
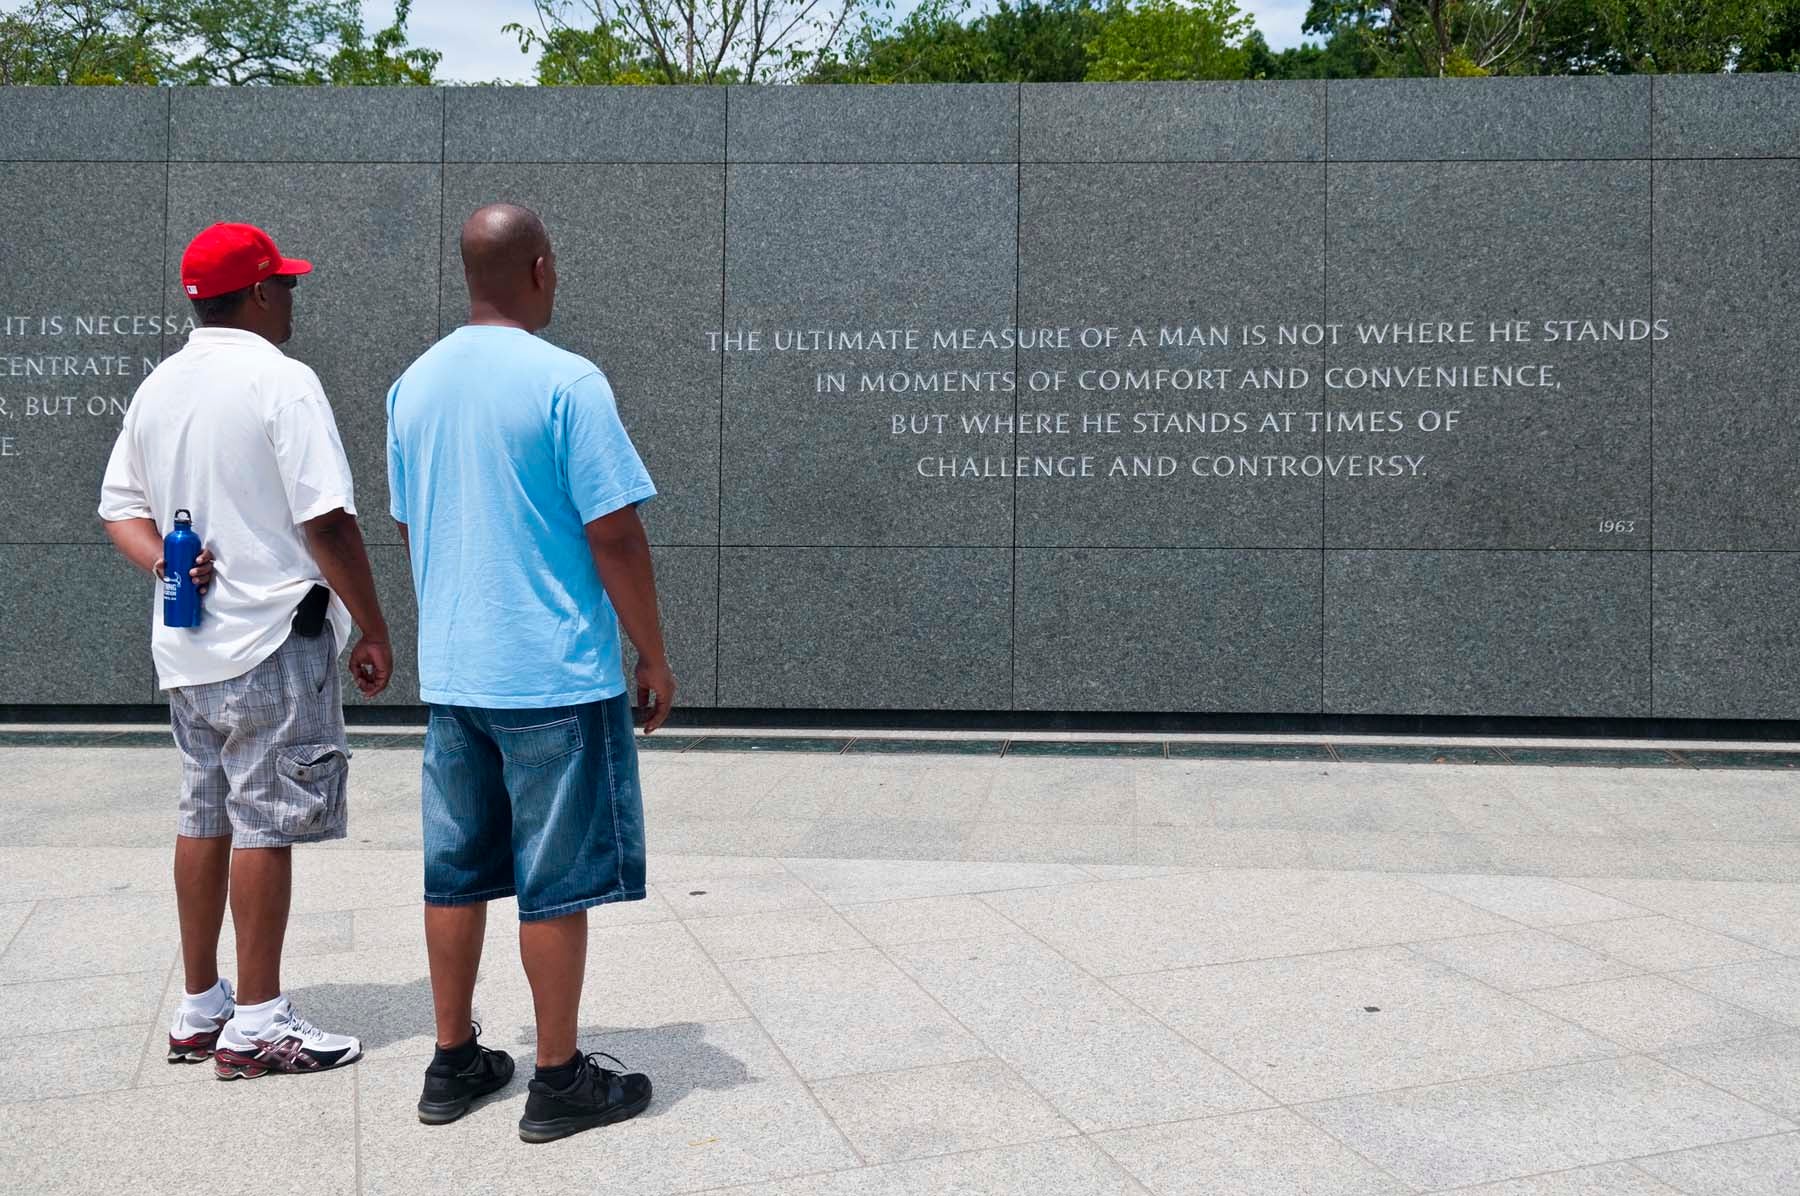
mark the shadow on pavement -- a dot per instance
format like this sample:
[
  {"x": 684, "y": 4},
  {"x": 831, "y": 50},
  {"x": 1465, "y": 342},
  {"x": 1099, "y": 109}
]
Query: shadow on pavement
[{"x": 677, "y": 1058}]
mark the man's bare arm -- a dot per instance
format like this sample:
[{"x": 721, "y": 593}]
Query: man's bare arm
[
  {"x": 336, "y": 543},
  {"x": 139, "y": 542},
  {"x": 622, "y": 555}
]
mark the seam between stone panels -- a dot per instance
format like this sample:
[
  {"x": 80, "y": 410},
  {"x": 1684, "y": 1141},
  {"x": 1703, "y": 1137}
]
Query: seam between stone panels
[
  {"x": 993, "y": 1057},
  {"x": 1325, "y": 305},
  {"x": 719, "y": 499},
  {"x": 718, "y": 970},
  {"x": 443, "y": 188},
  {"x": 1012, "y": 557},
  {"x": 162, "y": 282},
  {"x": 1652, "y": 511}
]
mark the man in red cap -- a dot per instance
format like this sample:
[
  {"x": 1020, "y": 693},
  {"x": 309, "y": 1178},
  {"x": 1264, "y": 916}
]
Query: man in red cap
[{"x": 241, "y": 435}]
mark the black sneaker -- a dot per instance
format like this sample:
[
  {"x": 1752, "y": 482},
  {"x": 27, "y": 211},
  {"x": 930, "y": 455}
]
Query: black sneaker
[
  {"x": 449, "y": 1092},
  {"x": 596, "y": 1097}
]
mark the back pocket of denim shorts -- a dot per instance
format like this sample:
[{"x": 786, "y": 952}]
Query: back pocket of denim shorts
[
  {"x": 534, "y": 747},
  {"x": 310, "y": 780}
]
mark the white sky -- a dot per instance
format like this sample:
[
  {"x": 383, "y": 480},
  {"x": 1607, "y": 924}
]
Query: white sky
[{"x": 468, "y": 32}]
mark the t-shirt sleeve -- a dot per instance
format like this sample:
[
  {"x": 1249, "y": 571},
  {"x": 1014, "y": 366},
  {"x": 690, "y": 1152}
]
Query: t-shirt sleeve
[
  {"x": 123, "y": 494},
  {"x": 600, "y": 466},
  {"x": 396, "y": 463},
  {"x": 308, "y": 452}
]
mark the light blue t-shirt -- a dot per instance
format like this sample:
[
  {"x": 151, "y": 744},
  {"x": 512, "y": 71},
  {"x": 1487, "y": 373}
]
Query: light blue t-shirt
[{"x": 501, "y": 446}]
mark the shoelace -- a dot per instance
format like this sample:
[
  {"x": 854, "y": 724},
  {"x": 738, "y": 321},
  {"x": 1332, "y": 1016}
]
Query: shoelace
[
  {"x": 592, "y": 1059},
  {"x": 302, "y": 1027}
]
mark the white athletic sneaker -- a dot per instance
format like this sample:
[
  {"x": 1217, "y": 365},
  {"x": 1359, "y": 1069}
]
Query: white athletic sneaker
[
  {"x": 196, "y": 1028},
  {"x": 288, "y": 1042}
]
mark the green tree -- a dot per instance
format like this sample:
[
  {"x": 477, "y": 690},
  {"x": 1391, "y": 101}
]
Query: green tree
[
  {"x": 384, "y": 60},
  {"x": 1618, "y": 37},
  {"x": 50, "y": 42},
  {"x": 234, "y": 42},
  {"x": 1778, "y": 49},
  {"x": 1170, "y": 39},
  {"x": 1436, "y": 37},
  {"x": 1028, "y": 42},
  {"x": 682, "y": 41}
]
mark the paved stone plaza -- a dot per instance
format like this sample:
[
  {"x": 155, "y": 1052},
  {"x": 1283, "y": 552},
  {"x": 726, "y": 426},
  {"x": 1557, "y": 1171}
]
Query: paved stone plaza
[{"x": 886, "y": 974}]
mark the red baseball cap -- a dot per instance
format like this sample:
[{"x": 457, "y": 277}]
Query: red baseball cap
[{"x": 230, "y": 257}]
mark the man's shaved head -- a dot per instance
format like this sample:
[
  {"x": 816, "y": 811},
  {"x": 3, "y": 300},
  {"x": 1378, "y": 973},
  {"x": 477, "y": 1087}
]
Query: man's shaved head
[
  {"x": 500, "y": 244},
  {"x": 510, "y": 267}
]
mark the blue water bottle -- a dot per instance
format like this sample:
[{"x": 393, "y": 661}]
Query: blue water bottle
[{"x": 181, "y": 599}]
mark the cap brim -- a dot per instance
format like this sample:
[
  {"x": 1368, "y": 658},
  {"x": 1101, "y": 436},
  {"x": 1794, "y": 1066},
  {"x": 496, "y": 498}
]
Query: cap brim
[{"x": 293, "y": 265}]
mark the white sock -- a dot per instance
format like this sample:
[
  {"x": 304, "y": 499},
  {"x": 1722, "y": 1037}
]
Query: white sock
[
  {"x": 251, "y": 1020},
  {"x": 210, "y": 1003}
]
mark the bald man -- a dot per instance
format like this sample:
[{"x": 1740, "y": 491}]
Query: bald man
[{"x": 516, "y": 490}]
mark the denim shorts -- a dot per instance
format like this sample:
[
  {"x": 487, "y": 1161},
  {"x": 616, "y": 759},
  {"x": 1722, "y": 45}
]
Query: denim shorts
[{"x": 539, "y": 804}]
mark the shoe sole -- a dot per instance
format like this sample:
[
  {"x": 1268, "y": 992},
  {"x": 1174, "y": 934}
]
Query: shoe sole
[
  {"x": 563, "y": 1127},
  {"x": 229, "y": 1070},
  {"x": 189, "y": 1054},
  {"x": 444, "y": 1112}
]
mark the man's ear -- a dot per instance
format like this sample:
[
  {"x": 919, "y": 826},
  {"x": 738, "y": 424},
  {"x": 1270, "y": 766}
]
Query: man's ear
[
  {"x": 540, "y": 272},
  {"x": 259, "y": 294}
]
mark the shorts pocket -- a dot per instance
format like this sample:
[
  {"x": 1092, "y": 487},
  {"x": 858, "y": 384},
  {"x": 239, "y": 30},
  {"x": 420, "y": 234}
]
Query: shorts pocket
[
  {"x": 444, "y": 736},
  {"x": 534, "y": 747},
  {"x": 310, "y": 784}
]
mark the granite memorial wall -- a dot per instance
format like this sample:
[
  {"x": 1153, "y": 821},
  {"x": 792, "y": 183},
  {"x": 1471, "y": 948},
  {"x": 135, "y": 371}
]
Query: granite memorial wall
[{"x": 1361, "y": 398}]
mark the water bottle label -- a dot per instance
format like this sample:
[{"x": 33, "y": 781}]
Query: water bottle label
[{"x": 171, "y": 588}]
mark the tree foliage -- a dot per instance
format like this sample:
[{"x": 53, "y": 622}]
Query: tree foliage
[
  {"x": 233, "y": 42},
  {"x": 681, "y": 41},
  {"x": 1169, "y": 39}
]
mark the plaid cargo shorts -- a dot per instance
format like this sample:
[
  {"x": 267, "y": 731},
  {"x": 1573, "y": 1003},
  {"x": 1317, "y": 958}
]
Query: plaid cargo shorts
[{"x": 264, "y": 758}]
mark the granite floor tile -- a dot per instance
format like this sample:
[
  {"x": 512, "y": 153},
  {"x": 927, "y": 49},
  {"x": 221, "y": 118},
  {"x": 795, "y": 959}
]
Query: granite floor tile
[
  {"x": 73, "y": 937},
  {"x": 1764, "y": 1167},
  {"x": 1613, "y": 1179},
  {"x": 1770, "y": 987},
  {"x": 1763, "y": 914},
  {"x": 1513, "y": 1126},
  {"x": 1190, "y": 848},
  {"x": 12, "y": 916},
  {"x": 733, "y": 896},
  {"x": 1151, "y": 925},
  {"x": 1098, "y": 1059},
  {"x": 35, "y": 874},
  {"x": 53, "y": 1006},
  {"x": 766, "y": 935},
  {"x": 35, "y": 1067},
  {"x": 1514, "y": 961},
  {"x": 1324, "y": 1026},
  {"x": 925, "y": 920},
  {"x": 1593, "y": 855},
  {"x": 938, "y": 1110},
  {"x": 857, "y": 882},
  {"x": 1271, "y": 1153},
  {"x": 1775, "y": 861},
  {"x": 671, "y": 868},
  {"x": 152, "y": 1138},
  {"x": 726, "y": 1112},
  {"x": 1050, "y": 844},
  {"x": 852, "y": 1012},
  {"x": 1649, "y": 1013},
  {"x": 1371, "y": 851},
  {"x": 326, "y": 881},
  {"x": 884, "y": 839},
  {"x": 1659, "y": 944},
  {"x": 750, "y": 837},
  {"x": 1071, "y": 1168},
  {"x": 1764, "y": 1071}
]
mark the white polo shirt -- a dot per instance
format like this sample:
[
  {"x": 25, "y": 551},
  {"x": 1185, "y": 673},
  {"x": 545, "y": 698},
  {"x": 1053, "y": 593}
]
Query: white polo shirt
[{"x": 235, "y": 431}]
